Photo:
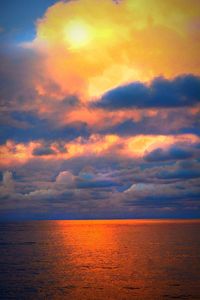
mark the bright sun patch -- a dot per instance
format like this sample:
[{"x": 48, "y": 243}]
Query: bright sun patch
[{"x": 77, "y": 34}]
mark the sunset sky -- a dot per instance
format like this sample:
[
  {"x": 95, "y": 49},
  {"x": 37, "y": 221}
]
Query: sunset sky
[{"x": 99, "y": 109}]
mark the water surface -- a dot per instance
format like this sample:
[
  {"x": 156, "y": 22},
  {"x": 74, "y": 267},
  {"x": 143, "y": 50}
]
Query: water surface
[{"x": 100, "y": 260}]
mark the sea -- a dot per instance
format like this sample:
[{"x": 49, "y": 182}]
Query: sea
[{"x": 100, "y": 260}]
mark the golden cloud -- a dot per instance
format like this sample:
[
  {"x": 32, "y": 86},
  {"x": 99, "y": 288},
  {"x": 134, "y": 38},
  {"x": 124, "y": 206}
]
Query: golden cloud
[{"x": 91, "y": 46}]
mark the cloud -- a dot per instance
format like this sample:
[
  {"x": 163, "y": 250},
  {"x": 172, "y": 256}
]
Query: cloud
[
  {"x": 183, "y": 170},
  {"x": 150, "y": 121},
  {"x": 7, "y": 186},
  {"x": 157, "y": 195},
  {"x": 94, "y": 146},
  {"x": 88, "y": 129},
  {"x": 41, "y": 151},
  {"x": 8, "y": 182},
  {"x": 33, "y": 94},
  {"x": 97, "y": 184},
  {"x": 105, "y": 186},
  {"x": 89, "y": 179},
  {"x": 174, "y": 153},
  {"x": 66, "y": 179},
  {"x": 160, "y": 93},
  {"x": 149, "y": 45},
  {"x": 18, "y": 68},
  {"x": 179, "y": 174}
]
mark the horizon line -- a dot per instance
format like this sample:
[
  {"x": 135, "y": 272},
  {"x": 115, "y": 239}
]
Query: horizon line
[{"x": 103, "y": 219}]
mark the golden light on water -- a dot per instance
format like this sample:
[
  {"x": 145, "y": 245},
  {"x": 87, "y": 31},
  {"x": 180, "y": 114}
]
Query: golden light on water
[{"x": 117, "y": 259}]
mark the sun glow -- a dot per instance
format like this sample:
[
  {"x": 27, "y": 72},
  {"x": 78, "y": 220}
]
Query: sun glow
[
  {"x": 93, "y": 46},
  {"x": 77, "y": 34}
]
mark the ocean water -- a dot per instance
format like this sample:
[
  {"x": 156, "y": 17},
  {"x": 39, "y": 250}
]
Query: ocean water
[{"x": 93, "y": 260}]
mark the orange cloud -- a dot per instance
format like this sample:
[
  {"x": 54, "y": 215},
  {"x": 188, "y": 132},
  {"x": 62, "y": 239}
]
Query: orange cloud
[
  {"x": 99, "y": 119},
  {"x": 96, "y": 145},
  {"x": 91, "y": 46},
  {"x": 12, "y": 153}
]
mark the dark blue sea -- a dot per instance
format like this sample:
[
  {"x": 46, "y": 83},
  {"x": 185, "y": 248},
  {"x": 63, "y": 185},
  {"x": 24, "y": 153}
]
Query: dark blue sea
[{"x": 97, "y": 260}]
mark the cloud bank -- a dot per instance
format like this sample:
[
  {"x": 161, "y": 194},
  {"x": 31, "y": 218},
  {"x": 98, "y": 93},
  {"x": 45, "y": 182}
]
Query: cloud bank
[{"x": 100, "y": 113}]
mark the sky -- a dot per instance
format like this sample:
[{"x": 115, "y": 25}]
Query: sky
[{"x": 99, "y": 109}]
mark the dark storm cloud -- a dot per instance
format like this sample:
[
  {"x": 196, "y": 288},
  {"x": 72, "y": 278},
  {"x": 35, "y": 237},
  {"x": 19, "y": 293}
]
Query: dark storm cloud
[
  {"x": 181, "y": 91},
  {"x": 28, "y": 126},
  {"x": 174, "y": 153}
]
